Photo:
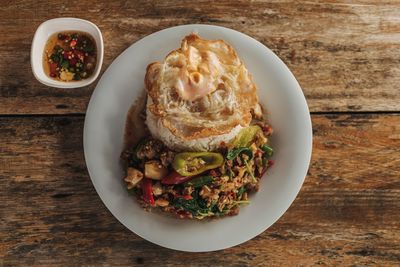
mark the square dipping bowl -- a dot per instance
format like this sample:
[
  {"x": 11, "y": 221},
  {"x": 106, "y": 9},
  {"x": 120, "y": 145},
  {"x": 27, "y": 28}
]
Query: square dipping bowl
[{"x": 52, "y": 26}]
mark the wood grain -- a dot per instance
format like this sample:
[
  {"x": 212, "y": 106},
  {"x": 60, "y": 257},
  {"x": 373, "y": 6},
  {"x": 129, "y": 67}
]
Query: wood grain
[
  {"x": 345, "y": 54},
  {"x": 345, "y": 215}
]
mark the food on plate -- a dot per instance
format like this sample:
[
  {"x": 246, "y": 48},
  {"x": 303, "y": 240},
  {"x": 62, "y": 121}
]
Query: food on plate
[
  {"x": 200, "y": 95},
  {"x": 70, "y": 56},
  {"x": 205, "y": 147}
]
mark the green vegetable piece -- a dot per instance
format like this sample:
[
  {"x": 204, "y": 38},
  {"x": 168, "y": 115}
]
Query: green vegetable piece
[
  {"x": 245, "y": 136},
  {"x": 193, "y": 163},
  {"x": 133, "y": 191},
  {"x": 88, "y": 49},
  {"x": 130, "y": 155},
  {"x": 191, "y": 206},
  {"x": 77, "y": 77},
  {"x": 250, "y": 171},
  {"x": 55, "y": 57},
  {"x": 221, "y": 213},
  {"x": 240, "y": 192},
  {"x": 230, "y": 174},
  {"x": 241, "y": 202},
  {"x": 139, "y": 145},
  {"x": 58, "y": 50},
  {"x": 264, "y": 162},
  {"x": 199, "y": 181},
  {"x": 233, "y": 153},
  {"x": 268, "y": 150},
  {"x": 65, "y": 64},
  {"x": 196, "y": 206}
]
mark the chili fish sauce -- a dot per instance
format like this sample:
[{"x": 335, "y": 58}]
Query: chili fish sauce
[{"x": 70, "y": 56}]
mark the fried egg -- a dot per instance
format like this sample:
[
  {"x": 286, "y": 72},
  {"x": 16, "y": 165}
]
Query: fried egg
[{"x": 199, "y": 96}]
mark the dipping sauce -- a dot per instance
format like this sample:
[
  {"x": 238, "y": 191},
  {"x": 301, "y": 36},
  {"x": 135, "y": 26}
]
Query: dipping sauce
[{"x": 70, "y": 56}]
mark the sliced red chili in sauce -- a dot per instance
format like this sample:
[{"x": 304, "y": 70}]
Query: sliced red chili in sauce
[{"x": 70, "y": 56}]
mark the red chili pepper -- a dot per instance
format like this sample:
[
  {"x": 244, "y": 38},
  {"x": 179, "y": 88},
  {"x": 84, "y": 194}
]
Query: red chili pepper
[
  {"x": 186, "y": 197},
  {"x": 175, "y": 178},
  {"x": 53, "y": 67},
  {"x": 79, "y": 54},
  {"x": 258, "y": 153},
  {"x": 73, "y": 61},
  {"x": 67, "y": 54},
  {"x": 262, "y": 172},
  {"x": 270, "y": 162},
  {"x": 147, "y": 188},
  {"x": 214, "y": 173},
  {"x": 266, "y": 129}
]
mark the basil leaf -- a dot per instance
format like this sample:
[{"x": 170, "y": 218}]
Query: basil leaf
[
  {"x": 65, "y": 64},
  {"x": 196, "y": 206},
  {"x": 199, "y": 181},
  {"x": 191, "y": 206},
  {"x": 55, "y": 57},
  {"x": 268, "y": 150},
  {"x": 232, "y": 154}
]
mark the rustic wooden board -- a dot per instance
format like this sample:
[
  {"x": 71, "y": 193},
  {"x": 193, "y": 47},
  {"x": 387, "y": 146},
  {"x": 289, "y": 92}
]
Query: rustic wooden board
[
  {"x": 345, "y": 55},
  {"x": 346, "y": 213}
]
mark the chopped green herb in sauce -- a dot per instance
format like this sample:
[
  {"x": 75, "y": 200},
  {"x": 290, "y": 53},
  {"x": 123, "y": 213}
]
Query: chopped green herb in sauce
[{"x": 70, "y": 56}]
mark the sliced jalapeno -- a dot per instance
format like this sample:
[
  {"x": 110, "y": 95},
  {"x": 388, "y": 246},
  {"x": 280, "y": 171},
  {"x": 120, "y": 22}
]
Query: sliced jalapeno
[
  {"x": 246, "y": 136},
  {"x": 193, "y": 163}
]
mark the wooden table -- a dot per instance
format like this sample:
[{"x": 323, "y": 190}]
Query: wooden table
[{"x": 346, "y": 56}]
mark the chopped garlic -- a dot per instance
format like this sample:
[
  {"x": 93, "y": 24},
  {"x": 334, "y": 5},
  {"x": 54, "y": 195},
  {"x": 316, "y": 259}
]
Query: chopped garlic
[{"x": 66, "y": 75}]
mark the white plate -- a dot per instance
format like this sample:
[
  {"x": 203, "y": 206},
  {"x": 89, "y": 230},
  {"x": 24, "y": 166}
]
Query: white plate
[{"x": 288, "y": 114}]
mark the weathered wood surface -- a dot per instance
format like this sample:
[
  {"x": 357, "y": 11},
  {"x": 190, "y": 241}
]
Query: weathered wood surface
[
  {"x": 345, "y": 54},
  {"x": 347, "y": 213}
]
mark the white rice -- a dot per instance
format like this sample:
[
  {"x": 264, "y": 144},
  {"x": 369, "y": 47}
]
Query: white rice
[{"x": 162, "y": 133}]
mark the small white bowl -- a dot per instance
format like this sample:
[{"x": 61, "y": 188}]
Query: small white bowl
[{"x": 43, "y": 33}]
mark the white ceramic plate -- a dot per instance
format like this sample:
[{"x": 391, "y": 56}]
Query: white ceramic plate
[{"x": 287, "y": 111}]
